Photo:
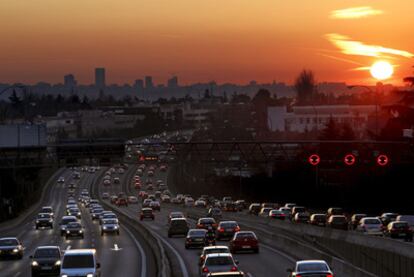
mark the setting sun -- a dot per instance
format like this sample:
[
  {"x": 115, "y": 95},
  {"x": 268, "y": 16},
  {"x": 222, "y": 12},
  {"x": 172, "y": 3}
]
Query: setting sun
[{"x": 381, "y": 70}]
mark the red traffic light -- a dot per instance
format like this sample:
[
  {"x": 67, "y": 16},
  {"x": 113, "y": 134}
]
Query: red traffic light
[
  {"x": 382, "y": 160},
  {"x": 349, "y": 159},
  {"x": 314, "y": 159}
]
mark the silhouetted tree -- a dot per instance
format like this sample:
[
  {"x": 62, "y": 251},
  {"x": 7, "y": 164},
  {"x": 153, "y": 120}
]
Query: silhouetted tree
[
  {"x": 15, "y": 100},
  {"x": 305, "y": 86},
  {"x": 331, "y": 131}
]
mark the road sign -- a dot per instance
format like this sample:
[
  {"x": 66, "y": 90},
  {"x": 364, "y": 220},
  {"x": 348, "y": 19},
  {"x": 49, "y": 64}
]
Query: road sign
[
  {"x": 349, "y": 159},
  {"x": 382, "y": 160},
  {"x": 314, "y": 159}
]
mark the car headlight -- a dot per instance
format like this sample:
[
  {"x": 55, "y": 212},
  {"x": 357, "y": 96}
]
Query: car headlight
[
  {"x": 15, "y": 250},
  {"x": 80, "y": 231},
  {"x": 57, "y": 263},
  {"x": 37, "y": 221},
  {"x": 34, "y": 263},
  {"x": 116, "y": 227},
  {"x": 79, "y": 213},
  {"x": 64, "y": 275},
  {"x": 67, "y": 232},
  {"x": 89, "y": 275},
  {"x": 50, "y": 220},
  {"x": 104, "y": 227}
]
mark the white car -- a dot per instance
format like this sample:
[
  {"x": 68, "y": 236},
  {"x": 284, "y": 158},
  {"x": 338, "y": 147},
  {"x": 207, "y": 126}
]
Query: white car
[
  {"x": 370, "y": 226},
  {"x": 80, "y": 262},
  {"x": 132, "y": 200},
  {"x": 189, "y": 202}
]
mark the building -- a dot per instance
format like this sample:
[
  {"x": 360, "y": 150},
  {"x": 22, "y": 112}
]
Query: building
[
  {"x": 196, "y": 114},
  {"x": 310, "y": 118},
  {"x": 173, "y": 82},
  {"x": 100, "y": 77},
  {"x": 139, "y": 85},
  {"x": 69, "y": 81},
  {"x": 148, "y": 82}
]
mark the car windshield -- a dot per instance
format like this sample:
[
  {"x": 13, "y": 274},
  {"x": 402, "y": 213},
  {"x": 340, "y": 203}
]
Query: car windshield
[
  {"x": 198, "y": 233},
  {"x": 214, "y": 261},
  {"x": 109, "y": 216},
  {"x": 338, "y": 219},
  {"x": 74, "y": 225},
  {"x": 216, "y": 250},
  {"x": 47, "y": 210},
  {"x": 65, "y": 221},
  {"x": 43, "y": 216},
  {"x": 372, "y": 221},
  {"x": 110, "y": 221},
  {"x": 228, "y": 225},
  {"x": 245, "y": 236},
  {"x": 47, "y": 252},
  {"x": 399, "y": 225},
  {"x": 309, "y": 267},
  {"x": 207, "y": 221},
  {"x": 8, "y": 242},
  {"x": 179, "y": 223},
  {"x": 78, "y": 261}
]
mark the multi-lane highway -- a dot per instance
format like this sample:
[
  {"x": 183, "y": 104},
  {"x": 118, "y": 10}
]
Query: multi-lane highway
[{"x": 123, "y": 255}]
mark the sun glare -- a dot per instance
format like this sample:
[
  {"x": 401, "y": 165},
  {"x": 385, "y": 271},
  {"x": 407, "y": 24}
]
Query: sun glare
[{"x": 381, "y": 70}]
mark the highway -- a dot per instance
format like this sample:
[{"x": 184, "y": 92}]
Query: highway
[
  {"x": 123, "y": 255},
  {"x": 268, "y": 260}
]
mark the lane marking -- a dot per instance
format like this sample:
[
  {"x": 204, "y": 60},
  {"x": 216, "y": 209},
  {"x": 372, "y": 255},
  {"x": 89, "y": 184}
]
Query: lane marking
[
  {"x": 116, "y": 248},
  {"x": 249, "y": 274},
  {"x": 68, "y": 247},
  {"x": 17, "y": 274},
  {"x": 278, "y": 252},
  {"x": 142, "y": 253}
]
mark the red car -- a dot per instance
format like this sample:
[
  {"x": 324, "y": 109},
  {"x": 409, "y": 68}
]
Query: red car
[
  {"x": 244, "y": 241},
  {"x": 147, "y": 213},
  {"x": 137, "y": 185},
  {"x": 122, "y": 202}
]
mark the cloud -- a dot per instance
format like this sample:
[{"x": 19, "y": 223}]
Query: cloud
[
  {"x": 352, "y": 47},
  {"x": 352, "y": 13}
]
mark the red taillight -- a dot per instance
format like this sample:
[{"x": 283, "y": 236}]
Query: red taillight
[
  {"x": 233, "y": 268},
  {"x": 199, "y": 225},
  {"x": 205, "y": 270},
  {"x": 221, "y": 230},
  {"x": 298, "y": 275},
  {"x": 329, "y": 275}
]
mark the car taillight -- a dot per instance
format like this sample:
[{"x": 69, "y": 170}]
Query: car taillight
[
  {"x": 205, "y": 270},
  {"x": 237, "y": 229},
  {"x": 329, "y": 275},
  {"x": 298, "y": 275},
  {"x": 234, "y": 268},
  {"x": 199, "y": 225},
  {"x": 221, "y": 230}
]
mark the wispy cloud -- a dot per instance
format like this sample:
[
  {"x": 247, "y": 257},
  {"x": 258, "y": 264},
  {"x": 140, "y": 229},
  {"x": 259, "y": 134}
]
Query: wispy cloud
[
  {"x": 357, "y": 12},
  {"x": 352, "y": 47}
]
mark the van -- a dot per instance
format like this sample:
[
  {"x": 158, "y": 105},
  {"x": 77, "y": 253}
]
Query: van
[
  {"x": 80, "y": 262},
  {"x": 178, "y": 226}
]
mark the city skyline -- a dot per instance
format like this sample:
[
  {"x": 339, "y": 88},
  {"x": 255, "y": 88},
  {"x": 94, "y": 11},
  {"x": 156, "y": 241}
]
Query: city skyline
[{"x": 199, "y": 42}]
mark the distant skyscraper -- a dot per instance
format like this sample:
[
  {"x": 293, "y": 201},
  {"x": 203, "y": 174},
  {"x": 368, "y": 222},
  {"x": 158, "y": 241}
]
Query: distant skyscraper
[
  {"x": 173, "y": 82},
  {"x": 139, "y": 85},
  {"x": 148, "y": 82},
  {"x": 69, "y": 81},
  {"x": 100, "y": 77}
]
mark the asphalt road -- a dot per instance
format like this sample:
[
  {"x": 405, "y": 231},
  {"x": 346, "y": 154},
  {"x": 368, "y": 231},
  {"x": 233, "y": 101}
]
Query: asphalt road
[
  {"x": 121, "y": 255},
  {"x": 269, "y": 262}
]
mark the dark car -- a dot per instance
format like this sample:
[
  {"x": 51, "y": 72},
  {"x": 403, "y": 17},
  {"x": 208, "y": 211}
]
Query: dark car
[
  {"x": 109, "y": 226},
  {"x": 205, "y": 222},
  {"x": 255, "y": 208},
  {"x": 298, "y": 209},
  {"x": 44, "y": 220},
  {"x": 311, "y": 268},
  {"x": 195, "y": 238},
  {"x": 386, "y": 218},
  {"x": 46, "y": 260},
  {"x": 337, "y": 222},
  {"x": 11, "y": 247},
  {"x": 226, "y": 274},
  {"x": 74, "y": 229},
  {"x": 146, "y": 213},
  {"x": 318, "y": 219},
  {"x": 227, "y": 229},
  {"x": 64, "y": 222},
  {"x": 335, "y": 211},
  {"x": 244, "y": 241},
  {"x": 230, "y": 207},
  {"x": 121, "y": 201},
  {"x": 178, "y": 226},
  {"x": 399, "y": 229}
]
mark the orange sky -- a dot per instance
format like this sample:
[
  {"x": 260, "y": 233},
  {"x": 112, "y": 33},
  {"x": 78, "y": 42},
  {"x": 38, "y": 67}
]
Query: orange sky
[{"x": 226, "y": 41}]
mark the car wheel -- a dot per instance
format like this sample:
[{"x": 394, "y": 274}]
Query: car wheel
[
  {"x": 186, "y": 246},
  {"x": 256, "y": 251},
  {"x": 102, "y": 233}
]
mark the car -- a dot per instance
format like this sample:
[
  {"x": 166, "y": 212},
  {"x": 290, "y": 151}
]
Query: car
[
  {"x": 158, "y": 194},
  {"x": 122, "y": 202},
  {"x": 264, "y": 212},
  {"x": 95, "y": 214},
  {"x": 227, "y": 274},
  {"x": 334, "y": 211},
  {"x": 240, "y": 205},
  {"x": 107, "y": 215},
  {"x": 214, "y": 213},
  {"x": 178, "y": 226},
  {"x": 277, "y": 214},
  {"x": 132, "y": 200},
  {"x": 270, "y": 205},
  {"x": 175, "y": 200},
  {"x": 146, "y": 213},
  {"x": 11, "y": 247},
  {"x": 64, "y": 222},
  {"x": 155, "y": 205},
  {"x": 175, "y": 215},
  {"x": 310, "y": 268},
  {"x": 107, "y": 182},
  {"x": 229, "y": 207},
  {"x": 117, "y": 180},
  {"x": 45, "y": 260},
  {"x": 244, "y": 240},
  {"x": 301, "y": 217},
  {"x": 386, "y": 218},
  {"x": 200, "y": 204},
  {"x": 318, "y": 219},
  {"x": 226, "y": 199},
  {"x": 337, "y": 222},
  {"x": 105, "y": 195},
  {"x": 114, "y": 199},
  {"x": 188, "y": 202},
  {"x": 399, "y": 229},
  {"x": 195, "y": 238},
  {"x": 205, "y": 222},
  {"x": 227, "y": 229},
  {"x": 355, "y": 219},
  {"x": 146, "y": 203},
  {"x": 109, "y": 226},
  {"x": 298, "y": 209},
  {"x": 61, "y": 180},
  {"x": 47, "y": 210},
  {"x": 407, "y": 218},
  {"x": 143, "y": 194},
  {"x": 286, "y": 211},
  {"x": 75, "y": 212},
  {"x": 371, "y": 226},
  {"x": 218, "y": 262},
  {"x": 74, "y": 229},
  {"x": 166, "y": 198},
  {"x": 254, "y": 208},
  {"x": 72, "y": 186},
  {"x": 44, "y": 220},
  {"x": 211, "y": 250},
  {"x": 80, "y": 262}
]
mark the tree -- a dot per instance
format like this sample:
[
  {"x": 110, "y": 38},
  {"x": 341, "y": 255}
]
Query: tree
[
  {"x": 331, "y": 131},
  {"x": 15, "y": 100},
  {"x": 409, "y": 80},
  {"x": 305, "y": 86}
]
